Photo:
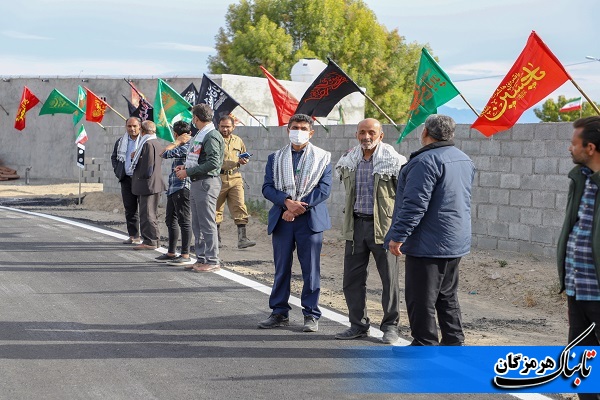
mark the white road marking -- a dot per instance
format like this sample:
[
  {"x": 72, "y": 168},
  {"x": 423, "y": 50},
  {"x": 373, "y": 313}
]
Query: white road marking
[{"x": 329, "y": 314}]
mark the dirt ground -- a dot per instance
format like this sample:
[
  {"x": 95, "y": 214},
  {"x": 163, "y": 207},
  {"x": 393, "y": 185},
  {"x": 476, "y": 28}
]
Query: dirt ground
[{"x": 506, "y": 298}]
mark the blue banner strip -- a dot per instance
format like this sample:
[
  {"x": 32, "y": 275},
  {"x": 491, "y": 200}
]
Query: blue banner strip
[{"x": 485, "y": 369}]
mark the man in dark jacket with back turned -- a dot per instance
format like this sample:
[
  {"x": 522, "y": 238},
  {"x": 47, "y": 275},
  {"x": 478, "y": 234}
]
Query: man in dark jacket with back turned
[{"x": 432, "y": 227}]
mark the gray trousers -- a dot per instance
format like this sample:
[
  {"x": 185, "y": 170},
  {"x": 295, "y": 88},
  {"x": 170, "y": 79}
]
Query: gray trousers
[
  {"x": 356, "y": 271},
  {"x": 148, "y": 218},
  {"x": 204, "y": 193}
]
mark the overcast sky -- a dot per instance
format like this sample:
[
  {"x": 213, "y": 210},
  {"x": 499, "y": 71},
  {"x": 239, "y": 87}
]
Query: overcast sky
[{"x": 472, "y": 38}]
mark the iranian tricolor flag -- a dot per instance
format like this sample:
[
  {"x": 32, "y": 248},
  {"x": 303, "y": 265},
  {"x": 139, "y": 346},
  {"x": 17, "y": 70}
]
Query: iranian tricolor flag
[
  {"x": 82, "y": 136},
  {"x": 573, "y": 105}
]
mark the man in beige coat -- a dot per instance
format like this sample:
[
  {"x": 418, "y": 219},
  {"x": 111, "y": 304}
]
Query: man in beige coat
[{"x": 369, "y": 172}]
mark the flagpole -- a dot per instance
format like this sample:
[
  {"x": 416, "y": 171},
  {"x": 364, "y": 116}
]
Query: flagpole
[
  {"x": 469, "y": 104},
  {"x": 80, "y": 172},
  {"x": 319, "y": 122},
  {"x": 133, "y": 87},
  {"x": 249, "y": 113},
  {"x": 380, "y": 110},
  {"x": 118, "y": 113},
  {"x": 585, "y": 95},
  {"x": 4, "y": 109}
]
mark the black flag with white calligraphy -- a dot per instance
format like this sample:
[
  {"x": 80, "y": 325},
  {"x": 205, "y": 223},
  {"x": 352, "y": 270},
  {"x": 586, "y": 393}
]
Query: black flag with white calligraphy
[
  {"x": 212, "y": 94},
  {"x": 190, "y": 94}
]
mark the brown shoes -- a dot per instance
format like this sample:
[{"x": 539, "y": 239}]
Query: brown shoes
[
  {"x": 144, "y": 247},
  {"x": 199, "y": 267}
]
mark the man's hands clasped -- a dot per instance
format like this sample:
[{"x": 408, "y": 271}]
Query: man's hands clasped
[{"x": 294, "y": 209}]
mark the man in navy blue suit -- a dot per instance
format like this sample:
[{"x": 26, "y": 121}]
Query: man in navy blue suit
[{"x": 297, "y": 182}]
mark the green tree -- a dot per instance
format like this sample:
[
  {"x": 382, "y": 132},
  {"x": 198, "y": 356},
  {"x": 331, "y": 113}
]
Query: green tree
[
  {"x": 277, "y": 33},
  {"x": 549, "y": 111}
]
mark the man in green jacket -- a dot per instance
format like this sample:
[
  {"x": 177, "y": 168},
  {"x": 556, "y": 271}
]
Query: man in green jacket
[
  {"x": 203, "y": 165},
  {"x": 579, "y": 242},
  {"x": 369, "y": 172}
]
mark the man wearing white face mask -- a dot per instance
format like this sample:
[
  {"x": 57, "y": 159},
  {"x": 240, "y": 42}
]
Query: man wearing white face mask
[
  {"x": 370, "y": 175},
  {"x": 297, "y": 182}
]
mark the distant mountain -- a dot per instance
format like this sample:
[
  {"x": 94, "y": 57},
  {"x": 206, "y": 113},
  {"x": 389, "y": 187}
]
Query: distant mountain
[{"x": 466, "y": 115}]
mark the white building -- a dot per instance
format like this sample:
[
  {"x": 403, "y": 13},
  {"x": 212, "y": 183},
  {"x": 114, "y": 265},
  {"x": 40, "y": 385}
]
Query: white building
[{"x": 253, "y": 93}]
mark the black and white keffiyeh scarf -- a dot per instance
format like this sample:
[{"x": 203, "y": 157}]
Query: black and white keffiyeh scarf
[
  {"x": 311, "y": 166},
  {"x": 386, "y": 160},
  {"x": 122, "y": 149},
  {"x": 138, "y": 151}
]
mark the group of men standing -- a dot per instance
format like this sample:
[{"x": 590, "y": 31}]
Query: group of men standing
[
  {"x": 389, "y": 203},
  {"x": 422, "y": 205},
  {"x": 420, "y": 208},
  {"x": 201, "y": 164}
]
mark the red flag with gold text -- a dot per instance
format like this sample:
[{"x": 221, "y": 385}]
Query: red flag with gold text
[
  {"x": 28, "y": 101},
  {"x": 536, "y": 73},
  {"x": 95, "y": 107}
]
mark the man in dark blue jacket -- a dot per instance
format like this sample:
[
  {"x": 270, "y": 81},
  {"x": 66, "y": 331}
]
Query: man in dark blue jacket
[
  {"x": 432, "y": 227},
  {"x": 297, "y": 182}
]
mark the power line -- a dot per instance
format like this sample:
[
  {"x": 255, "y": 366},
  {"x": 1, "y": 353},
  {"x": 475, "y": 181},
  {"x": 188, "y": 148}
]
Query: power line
[{"x": 500, "y": 76}]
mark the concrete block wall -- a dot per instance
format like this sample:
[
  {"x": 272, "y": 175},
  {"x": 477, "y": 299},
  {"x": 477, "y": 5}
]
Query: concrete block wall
[
  {"x": 47, "y": 144},
  {"x": 519, "y": 192},
  {"x": 92, "y": 171}
]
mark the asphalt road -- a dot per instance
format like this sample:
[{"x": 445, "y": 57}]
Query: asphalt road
[{"x": 84, "y": 317}]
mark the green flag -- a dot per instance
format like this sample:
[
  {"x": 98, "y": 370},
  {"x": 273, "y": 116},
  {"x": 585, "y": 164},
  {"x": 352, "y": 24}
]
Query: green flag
[
  {"x": 58, "y": 103},
  {"x": 168, "y": 107},
  {"x": 432, "y": 89},
  {"x": 77, "y": 115}
]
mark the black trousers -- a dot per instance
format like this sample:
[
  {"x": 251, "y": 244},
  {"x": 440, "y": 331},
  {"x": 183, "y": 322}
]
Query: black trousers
[
  {"x": 130, "y": 202},
  {"x": 581, "y": 315},
  {"x": 432, "y": 286},
  {"x": 356, "y": 272},
  {"x": 178, "y": 216}
]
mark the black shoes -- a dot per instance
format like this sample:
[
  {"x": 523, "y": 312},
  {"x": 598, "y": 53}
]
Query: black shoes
[
  {"x": 274, "y": 321},
  {"x": 165, "y": 258},
  {"x": 311, "y": 324}
]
